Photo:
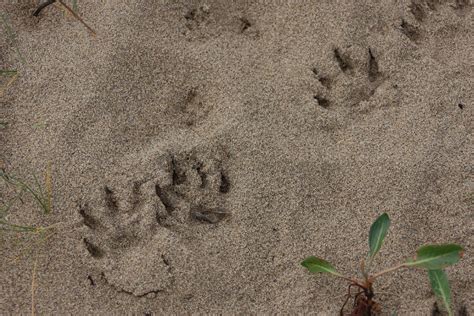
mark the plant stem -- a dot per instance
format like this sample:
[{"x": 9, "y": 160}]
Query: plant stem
[
  {"x": 352, "y": 280},
  {"x": 376, "y": 275}
]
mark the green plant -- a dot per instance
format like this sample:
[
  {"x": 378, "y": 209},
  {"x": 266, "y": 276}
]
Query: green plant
[
  {"x": 433, "y": 258},
  {"x": 42, "y": 196}
]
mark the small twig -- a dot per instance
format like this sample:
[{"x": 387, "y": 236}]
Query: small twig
[{"x": 42, "y": 6}]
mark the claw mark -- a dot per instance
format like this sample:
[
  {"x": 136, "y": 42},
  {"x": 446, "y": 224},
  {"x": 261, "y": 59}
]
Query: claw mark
[
  {"x": 435, "y": 311},
  {"x": 87, "y": 219},
  {"x": 245, "y": 24},
  {"x": 164, "y": 198},
  {"x": 198, "y": 167},
  {"x": 165, "y": 260},
  {"x": 410, "y": 31},
  {"x": 136, "y": 194},
  {"x": 91, "y": 280},
  {"x": 192, "y": 94},
  {"x": 208, "y": 215},
  {"x": 95, "y": 251},
  {"x": 110, "y": 199},
  {"x": 416, "y": 9},
  {"x": 343, "y": 61},
  {"x": 225, "y": 184},
  {"x": 322, "y": 101},
  {"x": 178, "y": 176},
  {"x": 373, "y": 67},
  {"x": 432, "y": 4},
  {"x": 325, "y": 81},
  {"x": 190, "y": 14},
  {"x": 463, "y": 311}
]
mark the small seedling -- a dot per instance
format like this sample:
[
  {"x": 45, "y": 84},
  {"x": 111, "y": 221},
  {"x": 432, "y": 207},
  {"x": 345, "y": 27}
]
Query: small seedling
[{"x": 433, "y": 258}]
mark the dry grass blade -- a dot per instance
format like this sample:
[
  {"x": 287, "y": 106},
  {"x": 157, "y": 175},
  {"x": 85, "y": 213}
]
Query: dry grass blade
[
  {"x": 42, "y": 198},
  {"x": 33, "y": 287},
  {"x": 74, "y": 14},
  {"x": 11, "y": 36},
  {"x": 13, "y": 74},
  {"x": 49, "y": 188}
]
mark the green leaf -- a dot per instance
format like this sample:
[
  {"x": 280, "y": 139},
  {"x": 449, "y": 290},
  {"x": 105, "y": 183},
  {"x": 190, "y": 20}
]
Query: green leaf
[
  {"x": 434, "y": 257},
  {"x": 440, "y": 285},
  {"x": 377, "y": 233},
  {"x": 317, "y": 265}
]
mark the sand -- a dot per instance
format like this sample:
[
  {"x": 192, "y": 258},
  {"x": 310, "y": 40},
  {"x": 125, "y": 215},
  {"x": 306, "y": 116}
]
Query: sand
[{"x": 201, "y": 149}]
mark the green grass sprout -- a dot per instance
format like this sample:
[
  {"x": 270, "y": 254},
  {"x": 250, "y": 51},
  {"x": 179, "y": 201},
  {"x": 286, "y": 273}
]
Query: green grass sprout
[{"x": 433, "y": 258}]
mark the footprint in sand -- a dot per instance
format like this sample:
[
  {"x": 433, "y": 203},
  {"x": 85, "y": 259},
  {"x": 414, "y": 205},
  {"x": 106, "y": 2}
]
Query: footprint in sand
[
  {"x": 136, "y": 232},
  {"x": 357, "y": 80},
  {"x": 421, "y": 10}
]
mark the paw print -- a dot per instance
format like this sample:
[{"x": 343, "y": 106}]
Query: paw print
[
  {"x": 356, "y": 79},
  {"x": 133, "y": 231},
  {"x": 198, "y": 186},
  {"x": 132, "y": 251}
]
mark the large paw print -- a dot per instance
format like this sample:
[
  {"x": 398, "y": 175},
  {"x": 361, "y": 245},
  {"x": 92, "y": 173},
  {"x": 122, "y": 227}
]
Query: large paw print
[{"x": 134, "y": 232}]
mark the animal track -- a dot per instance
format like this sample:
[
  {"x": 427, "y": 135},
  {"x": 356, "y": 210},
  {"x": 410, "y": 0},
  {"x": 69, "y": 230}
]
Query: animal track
[
  {"x": 410, "y": 31},
  {"x": 201, "y": 184},
  {"x": 196, "y": 17},
  {"x": 204, "y": 22},
  {"x": 134, "y": 233},
  {"x": 356, "y": 81},
  {"x": 420, "y": 10},
  {"x": 193, "y": 109}
]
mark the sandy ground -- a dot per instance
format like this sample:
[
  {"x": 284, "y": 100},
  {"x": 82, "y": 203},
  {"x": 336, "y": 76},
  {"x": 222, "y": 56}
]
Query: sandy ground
[{"x": 201, "y": 149}]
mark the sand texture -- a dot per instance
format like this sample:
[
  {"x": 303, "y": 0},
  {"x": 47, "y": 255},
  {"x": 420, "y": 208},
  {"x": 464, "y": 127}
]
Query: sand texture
[{"x": 199, "y": 150}]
